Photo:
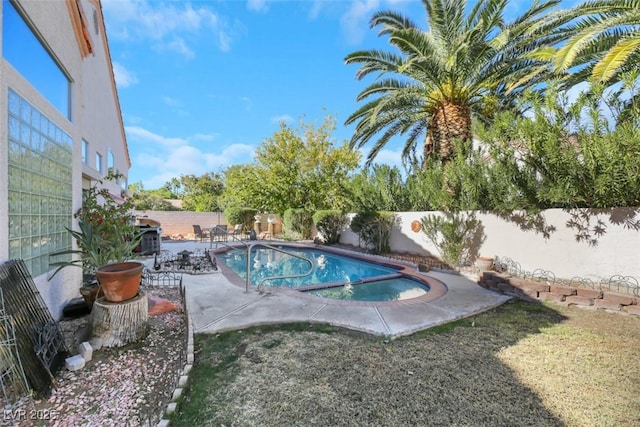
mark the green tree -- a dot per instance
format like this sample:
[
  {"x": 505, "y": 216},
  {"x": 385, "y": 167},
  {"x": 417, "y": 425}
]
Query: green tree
[
  {"x": 380, "y": 187},
  {"x": 467, "y": 65},
  {"x": 300, "y": 168},
  {"x": 242, "y": 187},
  {"x": 152, "y": 200},
  {"x": 201, "y": 193},
  {"x": 572, "y": 154}
]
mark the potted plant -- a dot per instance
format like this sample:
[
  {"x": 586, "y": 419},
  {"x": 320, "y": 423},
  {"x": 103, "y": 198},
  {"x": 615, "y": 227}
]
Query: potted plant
[{"x": 106, "y": 239}]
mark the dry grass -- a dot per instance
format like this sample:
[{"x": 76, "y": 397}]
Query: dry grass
[{"x": 521, "y": 364}]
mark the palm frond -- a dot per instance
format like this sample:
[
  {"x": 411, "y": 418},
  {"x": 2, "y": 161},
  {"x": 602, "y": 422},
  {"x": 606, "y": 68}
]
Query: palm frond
[
  {"x": 390, "y": 21},
  {"x": 615, "y": 58}
]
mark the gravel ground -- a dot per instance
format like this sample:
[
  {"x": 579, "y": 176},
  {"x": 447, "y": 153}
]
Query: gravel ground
[{"x": 127, "y": 386}]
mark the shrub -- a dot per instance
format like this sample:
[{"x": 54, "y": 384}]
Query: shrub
[
  {"x": 245, "y": 216},
  {"x": 298, "y": 222},
  {"x": 456, "y": 235},
  {"x": 374, "y": 229},
  {"x": 329, "y": 224}
]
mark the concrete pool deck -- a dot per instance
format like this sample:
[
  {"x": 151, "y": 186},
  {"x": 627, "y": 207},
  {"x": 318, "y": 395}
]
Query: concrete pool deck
[{"x": 217, "y": 305}]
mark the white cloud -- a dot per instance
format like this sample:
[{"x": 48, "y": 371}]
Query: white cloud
[
  {"x": 145, "y": 136},
  {"x": 179, "y": 45},
  {"x": 257, "y": 5},
  {"x": 316, "y": 8},
  {"x": 159, "y": 158},
  {"x": 282, "y": 118},
  {"x": 124, "y": 78},
  {"x": 171, "y": 102},
  {"x": 169, "y": 25},
  {"x": 204, "y": 137},
  {"x": 354, "y": 21},
  {"x": 248, "y": 103},
  {"x": 189, "y": 160}
]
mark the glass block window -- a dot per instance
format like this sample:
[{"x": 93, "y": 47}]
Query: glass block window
[
  {"x": 85, "y": 152},
  {"x": 40, "y": 187}
]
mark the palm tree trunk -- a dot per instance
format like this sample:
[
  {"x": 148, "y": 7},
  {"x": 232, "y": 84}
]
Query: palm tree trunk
[{"x": 450, "y": 121}]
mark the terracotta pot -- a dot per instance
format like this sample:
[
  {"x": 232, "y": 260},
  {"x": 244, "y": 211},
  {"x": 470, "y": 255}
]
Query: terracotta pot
[
  {"x": 484, "y": 263},
  {"x": 120, "y": 281}
]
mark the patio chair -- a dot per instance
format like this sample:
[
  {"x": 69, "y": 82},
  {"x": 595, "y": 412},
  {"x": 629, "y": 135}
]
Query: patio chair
[
  {"x": 200, "y": 233},
  {"x": 219, "y": 233},
  {"x": 237, "y": 231}
]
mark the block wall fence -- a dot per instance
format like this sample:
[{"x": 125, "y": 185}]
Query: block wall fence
[
  {"x": 592, "y": 244},
  {"x": 175, "y": 223},
  {"x": 589, "y": 243}
]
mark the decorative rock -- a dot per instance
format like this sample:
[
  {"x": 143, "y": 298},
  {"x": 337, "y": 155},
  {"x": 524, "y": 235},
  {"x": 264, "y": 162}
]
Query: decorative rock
[
  {"x": 622, "y": 299},
  {"x": 171, "y": 407},
  {"x": 563, "y": 290},
  {"x": 607, "y": 304},
  {"x": 632, "y": 309},
  {"x": 96, "y": 343},
  {"x": 183, "y": 381},
  {"x": 589, "y": 293},
  {"x": 86, "y": 351},
  {"x": 74, "y": 363},
  {"x": 176, "y": 394},
  {"x": 190, "y": 358},
  {"x": 163, "y": 423},
  {"x": 187, "y": 369}
]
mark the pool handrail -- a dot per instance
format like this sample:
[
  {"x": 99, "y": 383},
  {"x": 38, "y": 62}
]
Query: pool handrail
[
  {"x": 250, "y": 246},
  {"x": 289, "y": 276}
]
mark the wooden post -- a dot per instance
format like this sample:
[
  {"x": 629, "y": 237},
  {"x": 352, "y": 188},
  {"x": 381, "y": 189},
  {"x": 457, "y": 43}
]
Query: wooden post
[{"x": 119, "y": 323}]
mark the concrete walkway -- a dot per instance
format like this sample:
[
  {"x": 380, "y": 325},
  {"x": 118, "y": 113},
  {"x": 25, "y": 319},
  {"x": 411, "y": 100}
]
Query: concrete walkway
[{"x": 216, "y": 305}]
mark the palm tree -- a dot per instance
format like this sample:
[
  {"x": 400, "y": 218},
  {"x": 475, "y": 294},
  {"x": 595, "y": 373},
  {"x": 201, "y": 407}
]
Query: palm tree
[
  {"x": 463, "y": 67},
  {"x": 605, "y": 40}
]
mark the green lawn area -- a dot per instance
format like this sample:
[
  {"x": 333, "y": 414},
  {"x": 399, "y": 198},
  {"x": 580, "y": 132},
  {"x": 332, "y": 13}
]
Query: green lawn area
[{"x": 520, "y": 364}]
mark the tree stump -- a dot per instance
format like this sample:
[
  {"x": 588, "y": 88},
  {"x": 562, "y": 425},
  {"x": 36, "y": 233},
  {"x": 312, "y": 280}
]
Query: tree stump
[{"x": 119, "y": 323}]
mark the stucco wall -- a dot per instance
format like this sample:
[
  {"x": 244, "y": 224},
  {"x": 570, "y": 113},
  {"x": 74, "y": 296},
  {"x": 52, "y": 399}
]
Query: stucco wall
[
  {"x": 54, "y": 25},
  {"x": 95, "y": 116},
  {"x": 615, "y": 250}
]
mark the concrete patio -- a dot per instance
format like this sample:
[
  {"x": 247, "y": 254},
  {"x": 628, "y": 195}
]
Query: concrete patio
[{"x": 217, "y": 305}]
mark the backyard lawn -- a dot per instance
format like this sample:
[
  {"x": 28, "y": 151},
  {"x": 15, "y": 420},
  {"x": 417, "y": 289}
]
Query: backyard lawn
[{"x": 520, "y": 364}]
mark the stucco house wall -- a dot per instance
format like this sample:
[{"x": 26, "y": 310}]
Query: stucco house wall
[{"x": 95, "y": 116}]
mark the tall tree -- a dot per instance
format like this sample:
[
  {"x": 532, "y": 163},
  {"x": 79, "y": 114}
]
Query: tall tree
[
  {"x": 295, "y": 168},
  {"x": 379, "y": 188},
  {"x": 201, "y": 193},
  {"x": 465, "y": 65}
]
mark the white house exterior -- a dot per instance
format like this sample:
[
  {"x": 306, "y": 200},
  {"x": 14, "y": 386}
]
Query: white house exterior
[{"x": 60, "y": 129}]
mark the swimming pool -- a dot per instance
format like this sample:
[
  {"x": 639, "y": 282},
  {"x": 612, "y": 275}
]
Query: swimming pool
[
  {"x": 334, "y": 275},
  {"x": 394, "y": 289}
]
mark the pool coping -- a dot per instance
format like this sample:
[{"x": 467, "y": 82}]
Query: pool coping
[{"x": 436, "y": 288}]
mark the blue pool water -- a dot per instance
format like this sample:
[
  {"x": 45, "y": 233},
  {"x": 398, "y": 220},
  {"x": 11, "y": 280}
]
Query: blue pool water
[
  {"x": 400, "y": 288},
  {"x": 333, "y": 276}
]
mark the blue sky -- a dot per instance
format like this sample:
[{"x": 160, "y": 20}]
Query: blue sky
[{"x": 203, "y": 83}]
